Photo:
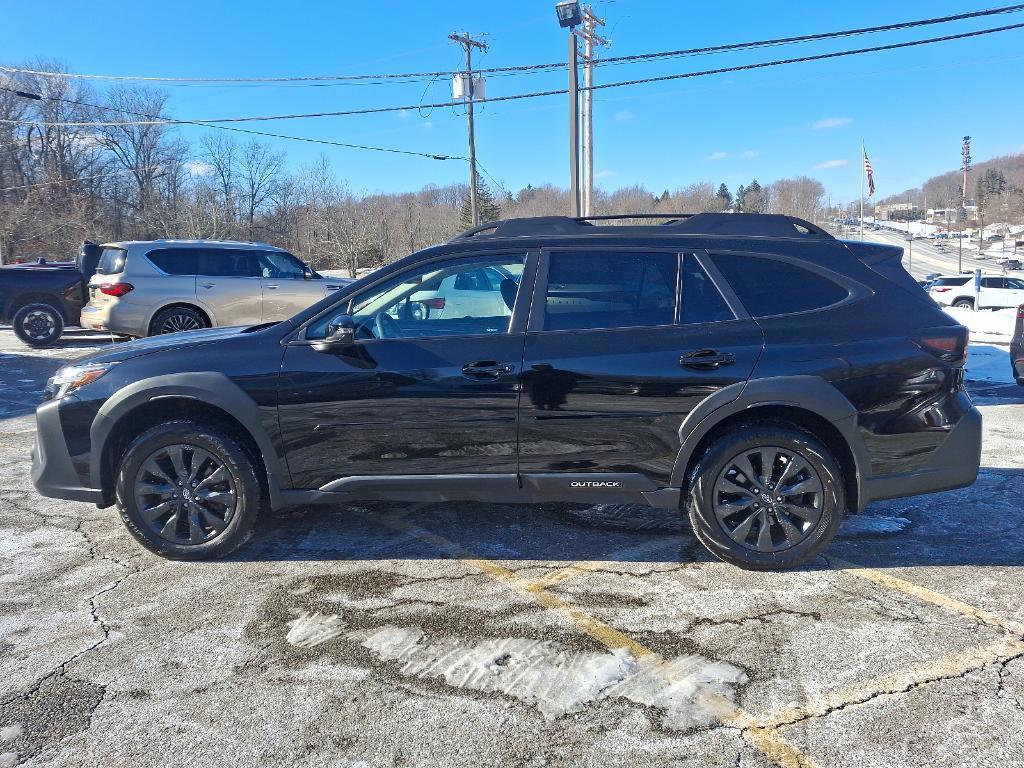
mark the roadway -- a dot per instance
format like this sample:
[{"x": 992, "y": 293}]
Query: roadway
[{"x": 925, "y": 257}]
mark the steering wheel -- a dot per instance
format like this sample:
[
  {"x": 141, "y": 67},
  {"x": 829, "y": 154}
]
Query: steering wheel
[{"x": 386, "y": 326}]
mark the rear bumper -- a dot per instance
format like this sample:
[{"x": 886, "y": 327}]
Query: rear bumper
[
  {"x": 52, "y": 471},
  {"x": 954, "y": 464},
  {"x": 120, "y": 317}
]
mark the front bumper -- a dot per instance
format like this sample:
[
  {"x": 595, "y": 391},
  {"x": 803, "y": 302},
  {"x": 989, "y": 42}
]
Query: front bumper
[
  {"x": 52, "y": 471},
  {"x": 954, "y": 464}
]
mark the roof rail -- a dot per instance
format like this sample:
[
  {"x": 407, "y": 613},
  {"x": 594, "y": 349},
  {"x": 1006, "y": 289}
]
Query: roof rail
[{"x": 721, "y": 224}]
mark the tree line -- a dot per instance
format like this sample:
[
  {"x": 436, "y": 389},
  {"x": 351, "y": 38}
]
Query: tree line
[{"x": 61, "y": 184}]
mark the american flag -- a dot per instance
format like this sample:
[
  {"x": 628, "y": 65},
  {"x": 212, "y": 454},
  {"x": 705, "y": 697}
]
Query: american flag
[{"x": 870, "y": 174}]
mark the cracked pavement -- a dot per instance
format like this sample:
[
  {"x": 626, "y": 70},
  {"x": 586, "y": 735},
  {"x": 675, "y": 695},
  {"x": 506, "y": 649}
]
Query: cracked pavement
[{"x": 487, "y": 634}]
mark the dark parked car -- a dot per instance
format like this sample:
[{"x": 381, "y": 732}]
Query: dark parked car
[
  {"x": 751, "y": 371},
  {"x": 1017, "y": 348},
  {"x": 39, "y": 298}
]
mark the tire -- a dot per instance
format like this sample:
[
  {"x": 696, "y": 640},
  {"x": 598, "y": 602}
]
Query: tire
[
  {"x": 964, "y": 303},
  {"x": 821, "y": 511},
  {"x": 196, "y": 523},
  {"x": 178, "y": 320},
  {"x": 38, "y": 325}
]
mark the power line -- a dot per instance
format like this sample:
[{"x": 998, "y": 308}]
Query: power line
[
  {"x": 415, "y": 76},
  {"x": 156, "y": 120},
  {"x": 212, "y": 122}
]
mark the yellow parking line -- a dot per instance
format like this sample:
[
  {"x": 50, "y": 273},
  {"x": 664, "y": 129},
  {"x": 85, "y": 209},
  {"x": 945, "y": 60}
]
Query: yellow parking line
[
  {"x": 765, "y": 738},
  {"x": 925, "y": 594},
  {"x": 577, "y": 569}
]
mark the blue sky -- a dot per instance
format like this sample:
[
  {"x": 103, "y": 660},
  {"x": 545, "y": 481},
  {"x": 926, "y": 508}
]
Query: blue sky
[{"x": 911, "y": 107}]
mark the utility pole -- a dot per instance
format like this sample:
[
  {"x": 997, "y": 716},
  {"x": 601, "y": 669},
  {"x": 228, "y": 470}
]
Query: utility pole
[
  {"x": 468, "y": 43},
  {"x": 574, "y": 127},
  {"x": 590, "y": 39}
]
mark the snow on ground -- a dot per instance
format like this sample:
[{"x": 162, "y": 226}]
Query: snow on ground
[{"x": 988, "y": 358}]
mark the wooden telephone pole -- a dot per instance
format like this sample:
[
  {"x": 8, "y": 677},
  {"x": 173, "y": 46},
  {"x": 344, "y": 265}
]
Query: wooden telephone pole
[{"x": 468, "y": 43}]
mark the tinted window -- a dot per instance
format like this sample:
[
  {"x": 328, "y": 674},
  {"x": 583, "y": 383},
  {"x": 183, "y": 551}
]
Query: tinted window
[
  {"x": 176, "y": 261},
  {"x": 111, "y": 261},
  {"x": 281, "y": 266},
  {"x": 701, "y": 301},
  {"x": 620, "y": 289},
  {"x": 773, "y": 287},
  {"x": 1014, "y": 283},
  {"x": 951, "y": 281},
  {"x": 427, "y": 300},
  {"x": 225, "y": 262}
]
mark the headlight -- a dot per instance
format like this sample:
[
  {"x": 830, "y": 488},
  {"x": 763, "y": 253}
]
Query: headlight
[{"x": 72, "y": 377}]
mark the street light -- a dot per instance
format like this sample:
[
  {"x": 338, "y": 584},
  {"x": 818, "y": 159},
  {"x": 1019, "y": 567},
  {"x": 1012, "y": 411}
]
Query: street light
[{"x": 570, "y": 15}]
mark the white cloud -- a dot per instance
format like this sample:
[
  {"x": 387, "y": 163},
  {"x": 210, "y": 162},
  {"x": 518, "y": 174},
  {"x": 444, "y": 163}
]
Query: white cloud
[
  {"x": 623, "y": 116},
  {"x": 404, "y": 114},
  {"x": 428, "y": 124},
  {"x": 831, "y": 122},
  {"x": 604, "y": 174},
  {"x": 717, "y": 156},
  {"x": 751, "y": 153},
  {"x": 198, "y": 168},
  {"x": 831, "y": 164}
]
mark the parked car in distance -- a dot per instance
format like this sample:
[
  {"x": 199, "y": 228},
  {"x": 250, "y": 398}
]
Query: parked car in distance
[
  {"x": 997, "y": 291},
  {"x": 1011, "y": 263},
  {"x": 484, "y": 292},
  {"x": 1017, "y": 348},
  {"x": 750, "y": 371},
  {"x": 146, "y": 288},
  {"x": 40, "y": 298}
]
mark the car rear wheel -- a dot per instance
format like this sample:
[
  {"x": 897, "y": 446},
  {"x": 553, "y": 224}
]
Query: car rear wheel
[
  {"x": 187, "y": 492},
  {"x": 38, "y": 325},
  {"x": 964, "y": 304},
  {"x": 178, "y": 320},
  {"x": 766, "y": 497}
]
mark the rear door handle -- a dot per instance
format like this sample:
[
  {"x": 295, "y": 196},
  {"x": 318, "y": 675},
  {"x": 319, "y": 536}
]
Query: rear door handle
[
  {"x": 706, "y": 359},
  {"x": 486, "y": 369},
  {"x": 207, "y": 285},
  {"x": 270, "y": 287}
]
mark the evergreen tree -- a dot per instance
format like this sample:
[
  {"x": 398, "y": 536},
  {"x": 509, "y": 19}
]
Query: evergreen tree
[
  {"x": 741, "y": 194},
  {"x": 487, "y": 207},
  {"x": 725, "y": 196}
]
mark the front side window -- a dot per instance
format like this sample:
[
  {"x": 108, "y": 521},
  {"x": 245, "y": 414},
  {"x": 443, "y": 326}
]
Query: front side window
[
  {"x": 1015, "y": 283},
  {"x": 446, "y": 298},
  {"x": 227, "y": 262},
  {"x": 280, "y": 266},
  {"x": 768, "y": 286},
  {"x": 613, "y": 289}
]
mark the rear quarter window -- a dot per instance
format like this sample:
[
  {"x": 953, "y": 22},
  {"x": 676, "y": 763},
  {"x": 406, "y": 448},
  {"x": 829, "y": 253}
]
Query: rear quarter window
[
  {"x": 951, "y": 281},
  {"x": 174, "y": 261},
  {"x": 767, "y": 286}
]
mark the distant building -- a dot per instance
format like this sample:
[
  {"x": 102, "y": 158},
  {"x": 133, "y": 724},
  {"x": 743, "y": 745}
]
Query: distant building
[
  {"x": 939, "y": 215},
  {"x": 896, "y": 211}
]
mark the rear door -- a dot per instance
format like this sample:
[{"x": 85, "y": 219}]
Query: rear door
[
  {"x": 228, "y": 284},
  {"x": 622, "y": 345},
  {"x": 1014, "y": 291},
  {"x": 287, "y": 286}
]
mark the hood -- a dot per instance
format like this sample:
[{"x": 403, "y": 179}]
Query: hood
[{"x": 129, "y": 349}]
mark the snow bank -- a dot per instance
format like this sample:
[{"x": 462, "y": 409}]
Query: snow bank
[{"x": 986, "y": 325}]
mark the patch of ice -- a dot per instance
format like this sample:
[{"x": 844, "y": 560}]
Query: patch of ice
[
  {"x": 11, "y": 732},
  {"x": 870, "y": 525},
  {"x": 313, "y": 629},
  {"x": 629, "y": 517},
  {"x": 690, "y": 690}
]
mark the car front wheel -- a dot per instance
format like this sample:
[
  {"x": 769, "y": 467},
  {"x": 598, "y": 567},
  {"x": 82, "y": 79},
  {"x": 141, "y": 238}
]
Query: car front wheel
[
  {"x": 766, "y": 497},
  {"x": 188, "y": 492},
  {"x": 38, "y": 325}
]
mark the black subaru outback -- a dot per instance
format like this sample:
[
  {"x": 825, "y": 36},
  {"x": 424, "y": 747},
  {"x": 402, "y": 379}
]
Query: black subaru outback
[{"x": 751, "y": 371}]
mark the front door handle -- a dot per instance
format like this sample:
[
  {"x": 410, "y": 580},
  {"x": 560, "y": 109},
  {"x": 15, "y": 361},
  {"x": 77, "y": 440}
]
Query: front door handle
[
  {"x": 207, "y": 285},
  {"x": 271, "y": 287},
  {"x": 706, "y": 359},
  {"x": 486, "y": 369}
]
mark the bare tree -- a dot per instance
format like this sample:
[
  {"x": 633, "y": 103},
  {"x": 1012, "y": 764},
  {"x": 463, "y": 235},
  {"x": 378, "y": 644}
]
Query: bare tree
[{"x": 262, "y": 170}]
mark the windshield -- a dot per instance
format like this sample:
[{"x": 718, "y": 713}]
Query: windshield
[{"x": 111, "y": 261}]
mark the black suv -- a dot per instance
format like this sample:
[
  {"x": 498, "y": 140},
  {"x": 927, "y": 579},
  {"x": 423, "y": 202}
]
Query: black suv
[{"x": 750, "y": 370}]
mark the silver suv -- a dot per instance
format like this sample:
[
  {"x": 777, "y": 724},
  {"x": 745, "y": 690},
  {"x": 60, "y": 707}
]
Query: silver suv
[{"x": 145, "y": 288}]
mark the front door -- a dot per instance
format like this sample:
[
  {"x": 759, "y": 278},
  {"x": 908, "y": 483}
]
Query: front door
[
  {"x": 421, "y": 392},
  {"x": 621, "y": 347},
  {"x": 287, "y": 285}
]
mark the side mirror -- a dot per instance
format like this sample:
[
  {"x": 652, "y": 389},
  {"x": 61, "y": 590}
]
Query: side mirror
[
  {"x": 307, "y": 272},
  {"x": 341, "y": 334}
]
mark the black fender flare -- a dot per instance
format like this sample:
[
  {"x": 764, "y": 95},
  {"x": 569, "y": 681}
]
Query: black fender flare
[
  {"x": 209, "y": 388},
  {"x": 808, "y": 393}
]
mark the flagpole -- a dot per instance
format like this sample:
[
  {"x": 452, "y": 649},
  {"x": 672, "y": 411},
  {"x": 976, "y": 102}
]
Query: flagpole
[{"x": 862, "y": 152}]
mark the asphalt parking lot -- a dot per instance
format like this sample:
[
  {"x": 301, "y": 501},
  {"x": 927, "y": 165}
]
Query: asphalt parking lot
[{"x": 474, "y": 634}]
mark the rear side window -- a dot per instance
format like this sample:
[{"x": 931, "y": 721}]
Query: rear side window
[
  {"x": 111, "y": 261},
  {"x": 228, "y": 262},
  {"x": 701, "y": 300},
  {"x": 174, "y": 261},
  {"x": 615, "y": 289},
  {"x": 951, "y": 281},
  {"x": 769, "y": 286}
]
